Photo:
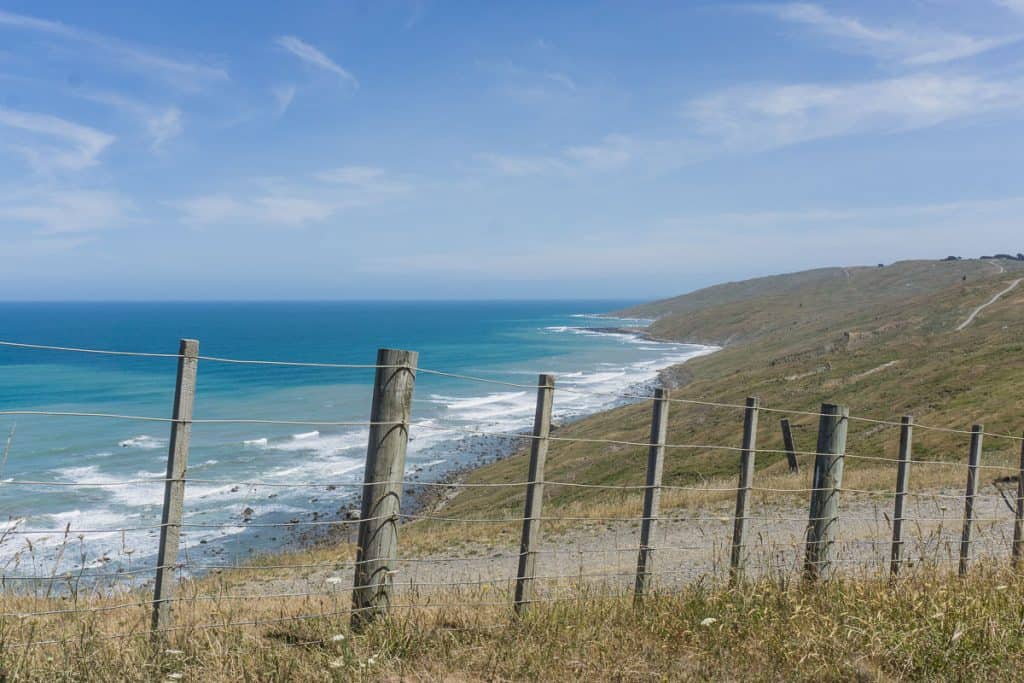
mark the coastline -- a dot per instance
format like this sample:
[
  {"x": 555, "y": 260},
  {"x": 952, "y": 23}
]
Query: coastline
[
  {"x": 430, "y": 497},
  {"x": 331, "y": 511}
]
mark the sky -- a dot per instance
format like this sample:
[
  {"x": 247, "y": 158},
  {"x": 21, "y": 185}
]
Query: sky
[{"x": 418, "y": 149}]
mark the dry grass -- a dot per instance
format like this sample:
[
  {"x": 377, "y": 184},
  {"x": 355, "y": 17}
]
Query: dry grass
[{"x": 930, "y": 626}]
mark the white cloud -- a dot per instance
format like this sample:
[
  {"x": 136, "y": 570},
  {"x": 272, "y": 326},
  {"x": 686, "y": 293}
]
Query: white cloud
[
  {"x": 266, "y": 210},
  {"x": 188, "y": 76},
  {"x": 276, "y": 203},
  {"x": 313, "y": 56},
  {"x": 283, "y": 97},
  {"x": 915, "y": 47},
  {"x": 64, "y": 211},
  {"x": 523, "y": 166},
  {"x": 212, "y": 209},
  {"x": 76, "y": 147},
  {"x": 160, "y": 124},
  {"x": 365, "y": 182},
  {"x": 613, "y": 151},
  {"x": 763, "y": 117},
  {"x": 609, "y": 153},
  {"x": 292, "y": 211},
  {"x": 531, "y": 87},
  {"x": 164, "y": 126}
]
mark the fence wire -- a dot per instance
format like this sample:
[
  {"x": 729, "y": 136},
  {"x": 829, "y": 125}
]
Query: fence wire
[{"x": 684, "y": 546}]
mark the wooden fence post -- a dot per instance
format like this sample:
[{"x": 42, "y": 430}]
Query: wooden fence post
[
  {"x": 652, "y": 494},
  {"x": 828, "y": 477},
  {"x": 746, "y": 478},
  {"x": 1018, "y": 516},
  {"x": 174, "y": 485},
  {"x": 377, "y": 545},
  {"x": 530, "y": 541},
  {"x": 972, "y": 490},
  {"x": 790, "y": 446},
  {"x": 902, "y": 475}
]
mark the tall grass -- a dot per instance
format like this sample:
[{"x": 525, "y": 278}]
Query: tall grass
[{"x": 927, "y": 626}]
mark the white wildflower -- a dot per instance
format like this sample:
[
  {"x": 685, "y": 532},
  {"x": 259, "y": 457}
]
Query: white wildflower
[
  {"x": 338, "y": 638},
  {"x": 708, "y": 621}
]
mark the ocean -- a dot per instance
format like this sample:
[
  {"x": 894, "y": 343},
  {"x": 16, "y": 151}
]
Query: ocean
[{"x": 79, "y": 460}]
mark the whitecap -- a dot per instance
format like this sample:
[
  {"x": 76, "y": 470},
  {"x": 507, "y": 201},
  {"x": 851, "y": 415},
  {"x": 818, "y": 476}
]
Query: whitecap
[{"x": 142, "y": 441}]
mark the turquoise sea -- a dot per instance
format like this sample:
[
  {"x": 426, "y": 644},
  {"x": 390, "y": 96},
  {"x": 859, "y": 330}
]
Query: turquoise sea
[{"x": 78, "y": 461}]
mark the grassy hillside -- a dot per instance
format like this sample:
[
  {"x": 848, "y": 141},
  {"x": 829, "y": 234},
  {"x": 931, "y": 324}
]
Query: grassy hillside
[{"x": 880, "y": 340}]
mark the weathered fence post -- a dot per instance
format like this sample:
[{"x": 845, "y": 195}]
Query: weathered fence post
[
  {"x": 790, "y": 445},
  {"x": 902, "y": 475},
  {"x": 174, "y": 485},
  {"x": 746, "y": 478},
  {"x": 530, "y": 540},
  {"x": 652, "y": 493},
  {"x": 1018, "y": 514},
  {"x": 377, "y": 545},
  {"x": 828, "y": 477},
  {"x": 972, "y": 490}
]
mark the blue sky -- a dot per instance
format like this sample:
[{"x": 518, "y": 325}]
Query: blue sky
[{"x": 417, "y": 149}]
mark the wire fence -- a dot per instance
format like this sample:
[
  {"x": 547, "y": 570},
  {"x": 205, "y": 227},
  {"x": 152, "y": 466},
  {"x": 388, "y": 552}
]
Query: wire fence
[{"x": 757, "y": 528}]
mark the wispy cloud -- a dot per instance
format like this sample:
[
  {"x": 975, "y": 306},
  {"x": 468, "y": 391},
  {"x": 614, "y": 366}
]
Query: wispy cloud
[
  {"x": 531, "y": 86},
  {"x": 609, "y": 153},
  {"x": 311, "y": 55},
  {"x": 64, "y": 211},
  {"x": 51, "y": 143},
  {"x": 267, "y": 210},
  {"x": 164, "y": 126},
  {"x": 910, "y": 46},
  {"x": 161, "y": 124},
  {"x": 277, "y": 203},
  {"x": 283, "y": 96},
  {"x": 767, "y": 116},
  {"x": 184, "y": 75},
  {"x": 369, "y": 182}
]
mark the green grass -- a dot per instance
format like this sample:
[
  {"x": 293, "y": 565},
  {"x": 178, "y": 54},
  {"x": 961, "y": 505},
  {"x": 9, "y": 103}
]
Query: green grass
[{"x": 798, "y": 341}]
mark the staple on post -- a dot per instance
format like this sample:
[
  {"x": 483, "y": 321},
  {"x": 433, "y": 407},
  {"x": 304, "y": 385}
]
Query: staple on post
[
  {"x": 902, "y": 476},
  {"x": 973, "y": 458},
  {"x": 746, "y": 478},
  {"x": 377, "y": 545},
  {"x": 652, "y": 492},
  {"x": 828, "y": 478},
  {"x": 174, "y": 486},
  {"x": 530, "y": 540}
]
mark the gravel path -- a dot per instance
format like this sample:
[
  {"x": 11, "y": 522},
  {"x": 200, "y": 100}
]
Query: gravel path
[{"x": 694, "y": 546}]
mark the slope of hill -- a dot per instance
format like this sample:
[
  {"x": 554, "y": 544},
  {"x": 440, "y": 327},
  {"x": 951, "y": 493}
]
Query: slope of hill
[{"x": 883, "y": 341}]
